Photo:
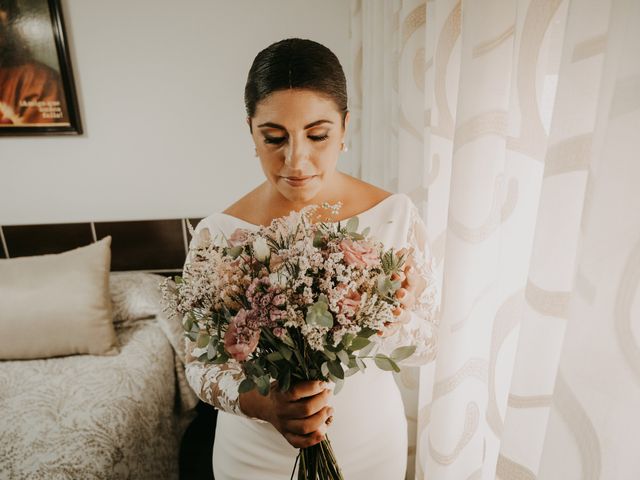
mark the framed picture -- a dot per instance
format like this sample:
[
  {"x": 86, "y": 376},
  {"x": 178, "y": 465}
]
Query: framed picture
[{"x": 37, "y": 92}]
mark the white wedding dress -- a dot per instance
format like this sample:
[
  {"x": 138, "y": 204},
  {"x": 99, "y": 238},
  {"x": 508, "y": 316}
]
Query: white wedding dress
[{"x": 369, "y": 431}]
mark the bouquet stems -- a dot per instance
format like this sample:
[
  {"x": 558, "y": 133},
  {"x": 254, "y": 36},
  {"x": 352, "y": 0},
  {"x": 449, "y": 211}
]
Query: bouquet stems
[{"x": 318, "y": 463}]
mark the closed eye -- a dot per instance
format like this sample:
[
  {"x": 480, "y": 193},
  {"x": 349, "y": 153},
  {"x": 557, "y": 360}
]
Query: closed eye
[{"x": 279, "y": 140}]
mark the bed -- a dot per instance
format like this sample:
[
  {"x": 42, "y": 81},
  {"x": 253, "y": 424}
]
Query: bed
[{"x": 101, "y": 417}]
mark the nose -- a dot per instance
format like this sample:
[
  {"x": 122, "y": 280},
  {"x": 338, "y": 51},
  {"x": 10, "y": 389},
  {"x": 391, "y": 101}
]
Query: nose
[{"x": 295, "y": 153}]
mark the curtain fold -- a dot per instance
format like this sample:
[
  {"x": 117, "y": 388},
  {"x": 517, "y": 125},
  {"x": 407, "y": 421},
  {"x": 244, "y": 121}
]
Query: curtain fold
[{"x": 515, "y": 128}]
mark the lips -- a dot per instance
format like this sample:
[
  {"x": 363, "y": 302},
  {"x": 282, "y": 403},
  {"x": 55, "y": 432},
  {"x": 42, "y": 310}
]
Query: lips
[{"x": 298, "y": 181}]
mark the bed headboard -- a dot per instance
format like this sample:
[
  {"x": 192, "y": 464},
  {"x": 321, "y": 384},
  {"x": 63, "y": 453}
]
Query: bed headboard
[{"x": 157, "y": 246}]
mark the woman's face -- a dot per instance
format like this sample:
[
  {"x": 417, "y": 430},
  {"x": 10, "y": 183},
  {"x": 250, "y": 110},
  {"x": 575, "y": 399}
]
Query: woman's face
[{"x": 298, "y": 136}]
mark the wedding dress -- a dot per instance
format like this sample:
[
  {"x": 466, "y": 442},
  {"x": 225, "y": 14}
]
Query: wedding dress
[{"x": 369, "y": 430}]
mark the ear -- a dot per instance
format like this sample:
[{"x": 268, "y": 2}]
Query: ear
[{"x": 347, "y": 117}]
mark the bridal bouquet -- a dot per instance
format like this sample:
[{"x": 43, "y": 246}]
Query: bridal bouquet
[{"x": 293, "y": 301}]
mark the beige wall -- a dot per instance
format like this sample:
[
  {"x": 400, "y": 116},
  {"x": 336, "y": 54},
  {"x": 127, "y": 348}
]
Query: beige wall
[{"x": 161, "y": 90}]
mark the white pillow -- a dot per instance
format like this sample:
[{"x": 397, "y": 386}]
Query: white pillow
[
  {"x": 59, "y": 304},
  {"x": 135, "y": 295}
]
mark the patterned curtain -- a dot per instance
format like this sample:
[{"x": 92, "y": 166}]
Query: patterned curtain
[{"x": 514, "y": 125}]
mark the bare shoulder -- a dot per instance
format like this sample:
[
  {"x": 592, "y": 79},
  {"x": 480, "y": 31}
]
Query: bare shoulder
[
  {"x": 242, "y": 208},
  {"x": 364, "y": 195}
]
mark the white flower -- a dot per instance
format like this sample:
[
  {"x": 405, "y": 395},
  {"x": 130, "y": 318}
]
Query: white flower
[
  {"x": 278, "y": 278},
  {"x": 261, "y": 249}
]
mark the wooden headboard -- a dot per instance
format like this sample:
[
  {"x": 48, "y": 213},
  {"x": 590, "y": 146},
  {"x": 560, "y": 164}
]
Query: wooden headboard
[{"x": 157, "y": 246}]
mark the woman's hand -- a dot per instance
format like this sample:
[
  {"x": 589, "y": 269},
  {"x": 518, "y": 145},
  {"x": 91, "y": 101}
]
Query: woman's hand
[
  {"x": 300, "y": 414},
  {"x": 411, "y": 285}
]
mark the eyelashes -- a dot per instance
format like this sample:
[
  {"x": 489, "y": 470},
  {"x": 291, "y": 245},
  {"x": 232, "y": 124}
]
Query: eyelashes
[{"x": 279, "y": 140}]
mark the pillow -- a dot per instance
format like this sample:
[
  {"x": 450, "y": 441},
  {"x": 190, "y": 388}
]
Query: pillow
[
  {"x": 135, "y": 295},
  {"x": 59, "y": 304}
]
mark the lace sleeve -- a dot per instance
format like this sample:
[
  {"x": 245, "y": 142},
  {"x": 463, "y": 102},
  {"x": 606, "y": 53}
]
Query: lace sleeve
[
  {"x": 419, "y": 325},
  {"x": 216, "y": 385}
]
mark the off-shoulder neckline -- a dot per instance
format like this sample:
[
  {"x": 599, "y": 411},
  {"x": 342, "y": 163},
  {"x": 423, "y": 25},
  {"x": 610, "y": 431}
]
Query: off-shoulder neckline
[{"x": 367, "y": 211}]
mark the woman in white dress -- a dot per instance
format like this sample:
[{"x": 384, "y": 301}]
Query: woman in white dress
[{"x": 297, "y": 114}]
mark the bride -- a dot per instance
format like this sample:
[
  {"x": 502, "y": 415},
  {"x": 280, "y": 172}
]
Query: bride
[{"x": 297, "y": 114}]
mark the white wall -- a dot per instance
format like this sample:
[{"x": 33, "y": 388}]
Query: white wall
[{"x": 161, "y": 87}]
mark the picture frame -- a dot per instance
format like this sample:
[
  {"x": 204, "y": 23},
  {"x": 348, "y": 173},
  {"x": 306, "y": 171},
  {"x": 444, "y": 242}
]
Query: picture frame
[{"x": 37, "y": 89}]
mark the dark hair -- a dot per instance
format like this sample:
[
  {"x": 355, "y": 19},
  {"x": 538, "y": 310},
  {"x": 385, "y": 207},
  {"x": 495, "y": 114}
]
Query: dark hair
[{"x": 296, "y": 63}]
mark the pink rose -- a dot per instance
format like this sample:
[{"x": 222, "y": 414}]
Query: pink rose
[
  {"x": 237, "y": 346},
  {"x": 361, "y": 254},
  {"x": 413, "y": 282},
  {"x": 238, "y": 237},
  {"x": 349, "y": 304}
]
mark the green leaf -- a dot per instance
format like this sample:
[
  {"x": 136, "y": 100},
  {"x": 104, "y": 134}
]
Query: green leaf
[
  {"x": 343, "y": 356},
  {"x": 324, "y": 369},
  {"x": 212, "y": 351},
  {"x": 385, "y": 363},
  {"x": 351, "y": 371},
  {"x": 177, "y": 279},
  {"x": 366, "y": 350},
  {"x": 263, "y": 385},
  {"x": 352, "y": 224},
  {"x": 273, "y": 370},
  {"x": 233, "y": 252},
  {"x": 339, "y": 383},
  {"x": 330, "y": 355},
  {"x": 361, "y": 365},
  {"x": 359, "y": 343},
  {"x": 401, "y": 353},
  {"x": 319, "y": 314},
  {"x": 366, "y": 231},
  {"x": 187, "y": 322},
  {"x": 203, "y": 357},
  {"x": 203, "y": 340},
  {"x": 274, "y": 356},
  {"x": 285, "y": 352},
  {"x": 285, "y": 381},
  {"x": 246, "y": 386},
  {"x": 221, "y": 358},
  {"x": 336, "y": 369}
]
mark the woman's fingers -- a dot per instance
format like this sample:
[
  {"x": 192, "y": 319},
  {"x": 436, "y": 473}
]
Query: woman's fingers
[
  {"x": 305, "y": 389},
  {"x": 304, "y": 441},
  {"x": 308, "y": 406},
  {"x": 316, "y": 422}
]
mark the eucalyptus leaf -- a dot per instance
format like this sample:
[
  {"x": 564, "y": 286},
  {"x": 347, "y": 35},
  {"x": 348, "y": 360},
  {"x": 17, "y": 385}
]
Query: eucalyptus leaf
[
  {"x": 319, "y": 314},
  {"x": 361, "y": 365},
  {"x": 246, "y": 386},
  {"x": 203, "y": 357},
  {"x": 336, "y": 369},
  {"x": 324, "y": 369},
  {"x": 263, "y": 385},
  {"x": 366, "y": 231},
  {"x": 330, "y": 355},
  {"x": 285, "y": 352},
  {"x": 187, "y": 322},
  {"x": 233, "y": 252},
  {"x": 366, "y": 350},
  {"x": 339, "y": 384},
  {"x": 285, "y": 381},
  {"x": 359, "y": 343},
  {"x": 352, "y": 224},
  {"x": 401, "y": 353},
  {"x": 203, "y": 340},
  {"x": 211, "y": 351},
  {"x": 224, "y": 358},
  {"x": 385, "y": 363},
  {"x": 274, "y": 356},
  {"x": 351, "y": 371},
  {"x": 343, "y": 356}
]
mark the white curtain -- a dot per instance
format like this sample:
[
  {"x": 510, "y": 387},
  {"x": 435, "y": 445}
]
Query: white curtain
[{"x": 514, "y": 125}]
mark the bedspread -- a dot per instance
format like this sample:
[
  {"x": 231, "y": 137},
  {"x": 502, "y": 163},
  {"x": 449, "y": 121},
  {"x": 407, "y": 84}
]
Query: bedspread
[{"x": 96, "y": 417}]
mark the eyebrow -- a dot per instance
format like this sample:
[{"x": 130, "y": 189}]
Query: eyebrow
[{"x": 280, "y": 127}]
